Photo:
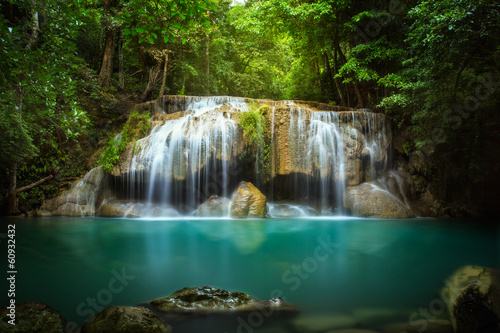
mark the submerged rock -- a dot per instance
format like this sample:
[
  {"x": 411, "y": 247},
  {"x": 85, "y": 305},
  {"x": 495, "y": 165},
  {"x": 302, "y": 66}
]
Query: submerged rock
[
  {"x": 125, "y": 319},
  {"x": 321, "y": 323},
  {"x": 211, "y": 309},
  {"x": 472, "y": 295},
  {"x": 214, "y": 206},
  {"x": 369, "y": 200},
  {"x": 430, "y": 326},
  {"x": 32, "y": 317},
  {"x": 215, "y": 300},
  {"x": 248, "y": 201}
]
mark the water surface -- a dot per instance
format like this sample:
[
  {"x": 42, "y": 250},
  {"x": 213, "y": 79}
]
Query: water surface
[{"x": 322, "y": 265}]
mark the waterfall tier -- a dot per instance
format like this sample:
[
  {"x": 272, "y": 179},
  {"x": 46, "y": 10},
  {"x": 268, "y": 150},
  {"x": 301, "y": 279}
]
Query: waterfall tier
[{"x": 198, "y": 148}]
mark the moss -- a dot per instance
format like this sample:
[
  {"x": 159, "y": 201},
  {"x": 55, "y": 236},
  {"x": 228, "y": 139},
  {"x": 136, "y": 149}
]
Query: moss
[
  {"x": 136, "y": 127},
  {"x": 255, "y": 127}
]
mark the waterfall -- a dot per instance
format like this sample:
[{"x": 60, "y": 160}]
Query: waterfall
[
  {"x": 184, "y": 160},
  {"x": 196, "y": 148},
  {"x": 330, "y": 150}
]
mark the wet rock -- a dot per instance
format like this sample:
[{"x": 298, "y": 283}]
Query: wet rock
[
  {"x": 125, "y": 319},
  {"x": 322, "y": 323},
  {"x": 214, "y": 206},
  {"x": 82, "y": 199},
  {"x": 287, "y": 210},
  {"x": 195, "y": 309},
  {"x": 135, "y": 209},
  {"x": 32, "y": 317},
  {"x": 370, "y": 200},
  {"x": 423, "y": 325},
  {"x": 248, "y": 201},
  {"x": 472, "y": 295}
]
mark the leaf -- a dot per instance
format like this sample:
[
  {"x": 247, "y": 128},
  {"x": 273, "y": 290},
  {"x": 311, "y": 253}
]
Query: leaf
[
  {"x": 151, "y": 40},
  {"x": 165, "y": 38}
]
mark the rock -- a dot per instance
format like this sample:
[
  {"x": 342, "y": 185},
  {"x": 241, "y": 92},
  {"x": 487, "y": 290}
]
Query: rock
[
  {"x": 214, "y": 206},
  {"x": 135, "y": 209},
  {"x": 375, "y": 317},
  {"x": 287, "y": 210},
  {"x": 191, "y": 309},
  {"x": 420, "y": 325},
  {"x": 472, "y": 295},
  {"x": 32, "y": 317},
  {"x": 82, "y": 199},
  {"x": 248, "y": 201},
  {"x": 322, "y": 323},
  {"x": 370, "y": 200},
  {"x": 125, "y": 319}
]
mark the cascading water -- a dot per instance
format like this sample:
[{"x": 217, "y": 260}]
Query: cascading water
[
  {"x": 197, "y": 148},
  {"x": 185, "y": 160},
  {"x": 329, "y": 151}
]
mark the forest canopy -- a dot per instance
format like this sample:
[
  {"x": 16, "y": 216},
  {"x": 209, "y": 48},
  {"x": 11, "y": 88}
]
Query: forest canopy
[{"x": 70, "y": 69}]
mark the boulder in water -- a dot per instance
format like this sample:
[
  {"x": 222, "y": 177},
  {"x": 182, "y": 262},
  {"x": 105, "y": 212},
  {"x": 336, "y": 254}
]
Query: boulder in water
[
  {"x": 216, "y": 310},
  {"x": 32, "y": 317},
  {"x": 125, "y": 319},
  {"x": 288, "y": 210},
  {"x": 472, "y": 295},
  {"x": 214, "y": 206},
  {"x": 135, "y": 209},
  {"x": 248, "y": 201},
  {"x": 369, "y": 200}
]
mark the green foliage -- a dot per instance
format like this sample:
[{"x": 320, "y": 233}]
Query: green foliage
[
  {"x": 136, "y": 127},
  {"x": 255, "y": 127}
]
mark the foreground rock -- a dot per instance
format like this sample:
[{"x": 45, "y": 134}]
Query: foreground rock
[
  {"x": 125, "y": 319},
  {"x": 472, "y": 295},
  {"x": 32, "y": 317},
  {"x": 202, "y": 308},
  {"x": 213, "y": 207},
  {"x": 370, "y": 200},
  {"x": 248, "y": 201}
]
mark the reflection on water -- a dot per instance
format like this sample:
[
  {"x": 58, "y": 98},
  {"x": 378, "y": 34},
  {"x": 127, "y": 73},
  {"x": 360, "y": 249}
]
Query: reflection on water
[{"x": 369, "y": 264}]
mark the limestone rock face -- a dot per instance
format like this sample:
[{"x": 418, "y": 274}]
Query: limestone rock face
[
  {"x": 214, "y": 206},
  {"x": 472, "y": 295},
  {"x": 370, "y": 200},
  {"x": 248, "y": 201},
  {"x": 32, "y": 317},
  {"x": 82, "y": 199},
  {"x": 125, "y": 319}
]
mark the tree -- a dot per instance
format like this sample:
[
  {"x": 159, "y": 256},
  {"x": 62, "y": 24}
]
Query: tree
[{"x": 39, "y": 109}]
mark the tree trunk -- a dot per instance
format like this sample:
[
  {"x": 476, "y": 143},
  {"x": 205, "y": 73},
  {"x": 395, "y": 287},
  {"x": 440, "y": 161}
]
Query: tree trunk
[
  {"x": 164, "y": 79},
  {"x": 318, "y": 73},
  {"x": 357, "y": 90},
  {"x": 153, "y": 80},
  {"x": 107, "y": 60},
  {"x": 207, "y": 66},
  {"x": 121, "y": 75},
  {"x": 336, "y": 79},
  {"x": 12, "y": 196}
]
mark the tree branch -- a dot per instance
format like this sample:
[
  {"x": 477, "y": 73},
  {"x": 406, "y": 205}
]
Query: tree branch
[{"x": 28, "y": 187}]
